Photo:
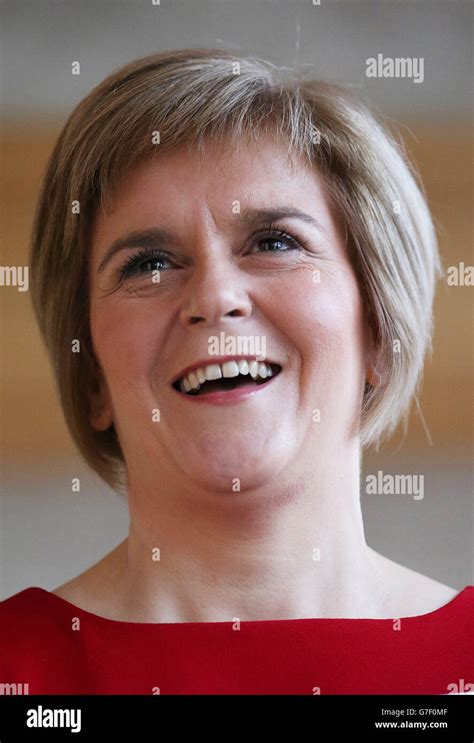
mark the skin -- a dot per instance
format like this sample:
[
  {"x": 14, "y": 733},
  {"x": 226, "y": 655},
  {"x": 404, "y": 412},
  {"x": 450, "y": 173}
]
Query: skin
[{"x": 226, "y": 554}]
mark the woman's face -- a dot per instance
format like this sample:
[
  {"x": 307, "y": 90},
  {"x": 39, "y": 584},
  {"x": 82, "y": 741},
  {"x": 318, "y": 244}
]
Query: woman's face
[{"x": 225, "y": 272}]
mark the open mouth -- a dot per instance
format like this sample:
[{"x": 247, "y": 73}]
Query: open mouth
[{"x": 226, "y": 384}]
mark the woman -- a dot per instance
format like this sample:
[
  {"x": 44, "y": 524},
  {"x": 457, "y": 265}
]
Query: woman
[{"x": 223, "y": 263}]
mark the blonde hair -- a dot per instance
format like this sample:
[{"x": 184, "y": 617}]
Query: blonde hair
[{"x": 193, "y": 95}]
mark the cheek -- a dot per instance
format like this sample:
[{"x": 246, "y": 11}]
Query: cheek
[
  {"x": 125, "y": 337},
  {"x": 323, "y": 320}
]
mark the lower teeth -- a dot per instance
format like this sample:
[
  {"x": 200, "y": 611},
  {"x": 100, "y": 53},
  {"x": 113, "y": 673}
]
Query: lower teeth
[{"x": 226, "y": 384}]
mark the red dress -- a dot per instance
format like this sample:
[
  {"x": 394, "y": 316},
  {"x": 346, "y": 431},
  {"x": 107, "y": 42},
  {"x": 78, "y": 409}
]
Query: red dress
[{"x": 50, "y": 646}]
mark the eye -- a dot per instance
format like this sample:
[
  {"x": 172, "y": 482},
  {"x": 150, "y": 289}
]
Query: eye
[
  {"x": 279, "y": 241},
  {"x": 144, "y": 262}
]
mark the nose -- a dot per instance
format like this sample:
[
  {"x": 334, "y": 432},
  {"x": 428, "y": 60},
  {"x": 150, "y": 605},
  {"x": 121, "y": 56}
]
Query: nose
[{"x": 215, "y": 292}]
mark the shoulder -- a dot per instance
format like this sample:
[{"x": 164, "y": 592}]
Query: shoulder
[
  {"x": 31, "y": 627},
  {"x": 422, "y": 594},
  {"x": 27, "y": 609},
  {"x": 406, "y": 592},
  {"x": 21, "y": 604},
  {"x": 39, "y": 645},
  {"x": 97, "y": 589}
]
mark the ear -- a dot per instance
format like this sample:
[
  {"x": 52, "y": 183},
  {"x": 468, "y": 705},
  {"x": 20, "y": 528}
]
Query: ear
[
  {"x": 100, "y": 406},
  {"x": 373, "y": 361},
  {"x": 373, "y": 376}
]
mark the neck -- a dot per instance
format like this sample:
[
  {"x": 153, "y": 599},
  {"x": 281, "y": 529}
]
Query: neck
[{"x": 286, "y": 550}]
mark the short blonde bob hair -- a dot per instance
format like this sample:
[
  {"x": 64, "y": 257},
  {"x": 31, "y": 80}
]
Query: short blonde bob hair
[{"x": 194, "y": 95}]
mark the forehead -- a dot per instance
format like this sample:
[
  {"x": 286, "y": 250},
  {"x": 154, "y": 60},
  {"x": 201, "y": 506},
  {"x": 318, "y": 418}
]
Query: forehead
[{"x": 180, "y": 187}]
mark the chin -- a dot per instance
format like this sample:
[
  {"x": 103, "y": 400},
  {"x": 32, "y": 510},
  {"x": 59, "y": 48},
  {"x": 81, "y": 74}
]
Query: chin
[{"x": 232, "y": 471}]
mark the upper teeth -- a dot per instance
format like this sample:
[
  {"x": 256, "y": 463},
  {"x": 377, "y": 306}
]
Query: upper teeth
[{"x": 194, "y": 379}]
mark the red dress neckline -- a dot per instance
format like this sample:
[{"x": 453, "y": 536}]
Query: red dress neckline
[{"x": 60, "y": 601}]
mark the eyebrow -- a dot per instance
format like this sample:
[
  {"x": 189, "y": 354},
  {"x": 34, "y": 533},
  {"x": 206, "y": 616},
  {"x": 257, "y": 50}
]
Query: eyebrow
[{"x": 156, "y": 237}]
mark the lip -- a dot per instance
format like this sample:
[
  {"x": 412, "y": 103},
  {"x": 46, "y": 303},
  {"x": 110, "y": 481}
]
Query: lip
[
  {"x": 231, "y": 397},
  {"x": 216, "y": 360}
]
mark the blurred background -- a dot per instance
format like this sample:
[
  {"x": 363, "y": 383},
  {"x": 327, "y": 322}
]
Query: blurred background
[{"x": 48, "y": 533}]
